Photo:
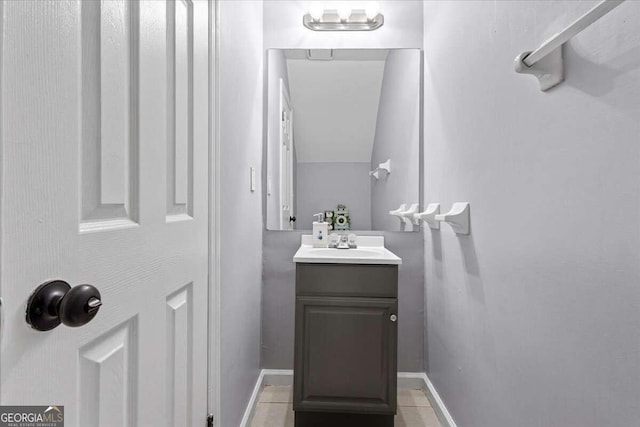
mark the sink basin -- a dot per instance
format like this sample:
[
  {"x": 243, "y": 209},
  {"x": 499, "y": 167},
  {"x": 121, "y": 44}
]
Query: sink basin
[
  {"x": 370, "y": 250},
  {"x": 347, "y": 253}
]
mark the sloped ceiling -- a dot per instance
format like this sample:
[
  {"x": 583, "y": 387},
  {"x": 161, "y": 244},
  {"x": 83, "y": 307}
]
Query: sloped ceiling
[{"x": 335, "y": 104}]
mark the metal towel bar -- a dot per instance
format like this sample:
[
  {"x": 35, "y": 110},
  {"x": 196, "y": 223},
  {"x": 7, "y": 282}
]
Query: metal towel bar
[{"x": 546, "y": 62}]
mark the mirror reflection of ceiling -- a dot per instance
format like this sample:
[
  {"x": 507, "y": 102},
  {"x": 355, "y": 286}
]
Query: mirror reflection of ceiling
[{"x": 335, "y": 103}]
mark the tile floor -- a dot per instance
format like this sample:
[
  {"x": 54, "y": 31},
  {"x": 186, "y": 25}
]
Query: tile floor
[{"x": 275, "y": 409}]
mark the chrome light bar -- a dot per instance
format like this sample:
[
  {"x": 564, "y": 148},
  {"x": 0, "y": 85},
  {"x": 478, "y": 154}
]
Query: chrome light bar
[{"x": 331, "y": 21}]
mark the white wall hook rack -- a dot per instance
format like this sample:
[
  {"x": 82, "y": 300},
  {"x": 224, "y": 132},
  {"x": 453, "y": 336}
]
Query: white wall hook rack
[
  {"x": 405, "y": 214},
  {"x": 546, "y": 62},
  {"x": 429, "y": 215},
  {"x": 457, "y": 217},
  {"x": 398, "y": 212},
  {"x": 409, "y": 217},
  {"x": 386, "y": 166}
]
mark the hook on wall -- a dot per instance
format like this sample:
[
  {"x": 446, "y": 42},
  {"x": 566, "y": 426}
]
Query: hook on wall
[
  {"x": 385, "y": 166},
  {"x": 407, "y": 215},
  {"x": 457, "y": 217},
  {"x": 429, "y": 215}
]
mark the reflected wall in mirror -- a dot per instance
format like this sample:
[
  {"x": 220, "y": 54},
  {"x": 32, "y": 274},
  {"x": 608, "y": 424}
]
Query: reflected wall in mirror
[{"x": 333, "y": 116}]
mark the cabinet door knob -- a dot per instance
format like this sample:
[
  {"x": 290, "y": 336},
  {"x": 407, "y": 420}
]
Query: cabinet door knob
[{"x": 393, "y": 317}]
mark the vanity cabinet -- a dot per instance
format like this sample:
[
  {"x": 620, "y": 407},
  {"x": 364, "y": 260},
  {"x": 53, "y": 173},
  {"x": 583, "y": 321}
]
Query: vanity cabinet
[{"x": 345, "y": 344}]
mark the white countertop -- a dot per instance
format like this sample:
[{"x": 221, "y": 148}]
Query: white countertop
[{"x": 370, "y": 250}]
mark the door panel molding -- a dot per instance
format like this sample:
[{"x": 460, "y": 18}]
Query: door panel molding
[
  {"x": 108, "y": 378},
  {"x": 109, "y": 115},
  {"x": 179, "y": 357},
  {"x": 360, "y": 327},
  {"x": 180, "y": 110}
]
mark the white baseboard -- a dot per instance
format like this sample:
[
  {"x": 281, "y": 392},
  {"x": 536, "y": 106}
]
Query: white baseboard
[
  {"x": 253, "y": 401},
  {"x": 411, "y": 380},
  {"x": 406, "y": 380},
  {"x": 436, "y": 402},
  {"x": 278, "y": 376}
]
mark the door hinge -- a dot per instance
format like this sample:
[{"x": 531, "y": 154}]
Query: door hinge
[{"x": 210, "y": 420}]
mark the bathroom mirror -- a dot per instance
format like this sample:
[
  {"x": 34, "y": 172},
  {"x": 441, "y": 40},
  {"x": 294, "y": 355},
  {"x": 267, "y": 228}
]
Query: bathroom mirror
[{"x": 342, "y": 137}]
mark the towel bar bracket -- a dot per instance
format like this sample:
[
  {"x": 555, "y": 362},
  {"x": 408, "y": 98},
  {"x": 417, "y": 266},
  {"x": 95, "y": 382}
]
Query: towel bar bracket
[{"x": 549, "y": 70}]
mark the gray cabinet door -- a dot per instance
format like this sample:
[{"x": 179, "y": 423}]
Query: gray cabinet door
[{"x": 345, "y": 355}]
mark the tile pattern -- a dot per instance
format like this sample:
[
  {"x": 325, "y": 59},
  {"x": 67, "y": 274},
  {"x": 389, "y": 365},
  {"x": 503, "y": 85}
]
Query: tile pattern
[{"x": 275, "y": 409}]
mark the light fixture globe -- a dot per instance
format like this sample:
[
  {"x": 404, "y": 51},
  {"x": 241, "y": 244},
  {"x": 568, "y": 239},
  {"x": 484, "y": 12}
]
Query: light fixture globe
[
  {"x": 372, "y": 10},
  {"x": 344, "y": 12},
  {"x": 316, "y": 12}
]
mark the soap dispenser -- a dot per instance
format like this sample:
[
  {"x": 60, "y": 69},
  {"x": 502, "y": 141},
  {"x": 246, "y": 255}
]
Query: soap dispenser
[{"x": 320, "y": 232}]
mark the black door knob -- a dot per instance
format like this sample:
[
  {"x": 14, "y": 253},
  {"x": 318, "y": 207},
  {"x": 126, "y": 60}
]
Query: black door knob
[
  {"x": 56, "y": 302},
  {"x": 292, "y": 219}
]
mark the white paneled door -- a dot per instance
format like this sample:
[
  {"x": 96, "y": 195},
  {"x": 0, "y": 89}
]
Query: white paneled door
[{"x": 105, "y": 139}]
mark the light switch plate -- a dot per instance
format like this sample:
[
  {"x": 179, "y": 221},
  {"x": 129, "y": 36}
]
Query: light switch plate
[{"x": 252, "y": 171}]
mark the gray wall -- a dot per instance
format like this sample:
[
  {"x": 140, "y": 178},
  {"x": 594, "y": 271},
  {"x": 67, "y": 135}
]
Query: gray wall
[
  {"x": 533, "y": 319},
  {"x": 397, "y": 138},
  {"x": 321, "y": 186},
  {"x": 278, "y": 300},
  {"x": 282, "y": 29},
  {"x": 277, "y": 69},
  {"x": 241, "y": 94}
]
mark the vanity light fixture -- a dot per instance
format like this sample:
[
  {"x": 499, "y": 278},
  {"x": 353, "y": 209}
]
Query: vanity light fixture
[{"x": 343, "y": 18}]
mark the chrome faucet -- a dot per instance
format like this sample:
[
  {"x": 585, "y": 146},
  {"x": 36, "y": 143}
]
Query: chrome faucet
[{"x": 343, "y": 241}]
